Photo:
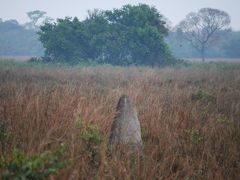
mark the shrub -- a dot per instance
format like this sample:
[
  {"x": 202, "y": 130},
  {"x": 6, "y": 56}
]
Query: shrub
[
  {"x": 39, "y": 60},
  {"x": 92, "y": 141},
  {"x": 18, "y": 165},
  {"x": 203, "y": 96},
  {"x": 195, "y": 136}
]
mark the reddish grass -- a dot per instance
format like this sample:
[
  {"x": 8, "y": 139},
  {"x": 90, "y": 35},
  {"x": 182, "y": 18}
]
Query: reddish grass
[{"x": 185, "y": 136}]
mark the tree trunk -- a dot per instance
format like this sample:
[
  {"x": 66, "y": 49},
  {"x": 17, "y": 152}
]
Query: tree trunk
[{"x": 203, "y": 53}]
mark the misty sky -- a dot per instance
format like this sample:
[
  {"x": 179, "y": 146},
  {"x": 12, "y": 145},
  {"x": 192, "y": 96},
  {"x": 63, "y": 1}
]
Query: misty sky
[{"x": 174, "y": 10}]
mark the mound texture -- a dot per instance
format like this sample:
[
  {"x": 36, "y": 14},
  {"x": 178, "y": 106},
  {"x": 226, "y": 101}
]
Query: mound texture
[{"x": 125, "y": 131}]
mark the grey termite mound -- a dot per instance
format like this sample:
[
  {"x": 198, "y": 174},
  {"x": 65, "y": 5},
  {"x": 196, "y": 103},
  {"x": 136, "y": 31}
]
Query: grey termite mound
[{"x": 125, "y": 131}]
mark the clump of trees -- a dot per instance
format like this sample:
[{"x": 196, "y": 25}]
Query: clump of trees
[
  {"x": 129, "y": 35},
  {"x": 201, "y": 27}
]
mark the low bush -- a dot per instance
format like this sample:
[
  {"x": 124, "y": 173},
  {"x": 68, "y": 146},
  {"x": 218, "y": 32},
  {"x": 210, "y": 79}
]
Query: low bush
[
  {"x": 92, "y": 140},
  {"x": 18, "y": 165}
]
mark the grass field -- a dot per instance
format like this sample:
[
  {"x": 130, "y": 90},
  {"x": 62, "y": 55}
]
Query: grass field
[
  {"x": 215, "y": 59},
  {"x": 190, "y": 121},
  {"x": 15, "y": 58}
]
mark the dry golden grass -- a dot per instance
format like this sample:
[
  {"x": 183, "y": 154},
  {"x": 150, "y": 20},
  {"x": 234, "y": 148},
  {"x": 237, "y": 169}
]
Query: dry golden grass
[{"x": 189, "y": 119}]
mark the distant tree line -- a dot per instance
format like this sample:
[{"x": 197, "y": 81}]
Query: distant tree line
[
  {"x": 19, "y": 40},
  {"x": 16, "y": 40},
  {"x": 226, "y": 44},
  {"x": 131, "y": 35}
]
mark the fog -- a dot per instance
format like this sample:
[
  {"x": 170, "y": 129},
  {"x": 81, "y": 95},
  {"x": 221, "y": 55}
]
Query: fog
[{"x": 174, "y": 10}]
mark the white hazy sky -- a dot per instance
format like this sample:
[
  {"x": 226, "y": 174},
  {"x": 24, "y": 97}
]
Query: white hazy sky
[{"x": 174, "y": 10}]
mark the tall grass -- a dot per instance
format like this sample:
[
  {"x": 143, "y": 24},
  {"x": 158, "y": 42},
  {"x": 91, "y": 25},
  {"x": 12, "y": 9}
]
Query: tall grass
[{"x": 189, "y": 119}]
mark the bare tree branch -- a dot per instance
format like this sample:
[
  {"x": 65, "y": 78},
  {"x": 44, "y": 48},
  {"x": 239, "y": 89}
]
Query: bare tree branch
[{"x": 199, "y": 28}]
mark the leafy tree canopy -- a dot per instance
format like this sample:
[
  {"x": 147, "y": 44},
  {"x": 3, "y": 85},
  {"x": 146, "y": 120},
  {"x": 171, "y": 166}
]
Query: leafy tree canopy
[{"x": 129, "y": 35}]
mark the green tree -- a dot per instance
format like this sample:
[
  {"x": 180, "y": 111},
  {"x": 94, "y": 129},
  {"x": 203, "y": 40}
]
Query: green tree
[
  {"x": 66, "y": 41},
  {"x": 129, "y": 35},
  {"x": 140, "y": 35}
]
